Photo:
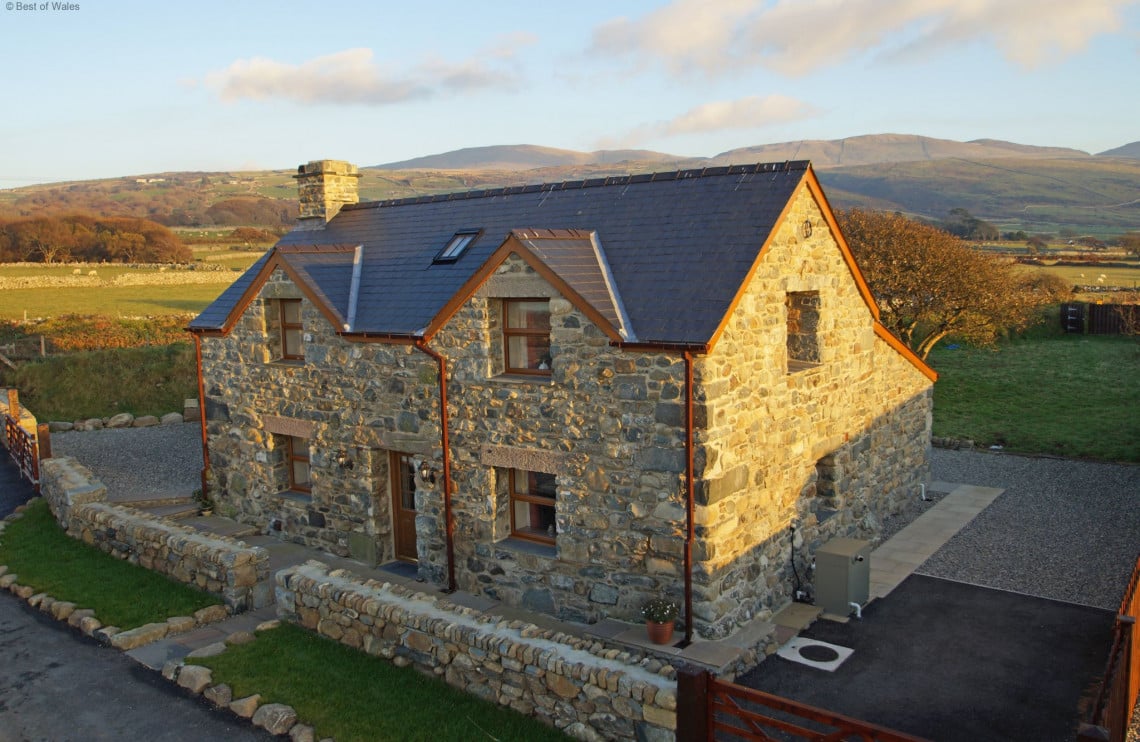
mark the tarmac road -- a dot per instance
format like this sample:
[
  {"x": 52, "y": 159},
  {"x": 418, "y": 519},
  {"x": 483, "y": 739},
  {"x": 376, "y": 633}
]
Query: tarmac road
[{"x": 57, "y": 685}]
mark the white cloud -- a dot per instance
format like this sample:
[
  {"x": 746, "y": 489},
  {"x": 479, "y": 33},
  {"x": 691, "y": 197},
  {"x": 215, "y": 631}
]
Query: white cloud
[
  {"x": 795, "y": 37},
  {"x": 352, "y": 76},
  {"x": 753, "y": 112}
]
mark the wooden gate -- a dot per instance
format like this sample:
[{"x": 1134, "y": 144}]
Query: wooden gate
[
  {"x": 1111, "y": 712},
  {"x": 709, "y": 709}
]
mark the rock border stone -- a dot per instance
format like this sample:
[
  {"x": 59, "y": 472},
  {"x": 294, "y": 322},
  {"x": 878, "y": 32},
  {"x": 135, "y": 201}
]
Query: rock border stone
[{"x": 120, "y": 420}]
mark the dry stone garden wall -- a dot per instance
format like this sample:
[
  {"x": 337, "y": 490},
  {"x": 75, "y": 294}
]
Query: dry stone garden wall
[
  {"x": 577, "y": 685},
  {"x": 220, "y": 565}
]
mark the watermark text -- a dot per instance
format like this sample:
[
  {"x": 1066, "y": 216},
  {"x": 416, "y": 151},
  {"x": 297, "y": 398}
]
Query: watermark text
[{"x": 40, "y": 7}]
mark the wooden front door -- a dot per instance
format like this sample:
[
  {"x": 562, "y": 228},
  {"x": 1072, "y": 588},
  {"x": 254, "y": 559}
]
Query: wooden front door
[{"x": 404, "y": 506}]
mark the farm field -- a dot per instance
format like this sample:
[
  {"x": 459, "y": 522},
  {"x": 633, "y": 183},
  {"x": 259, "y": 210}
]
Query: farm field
[{"x": 152, "y": 290}]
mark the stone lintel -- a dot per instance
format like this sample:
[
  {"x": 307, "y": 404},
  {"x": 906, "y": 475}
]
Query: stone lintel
[
  {"x": 288, "y": 426},
  {"x": 547, "y": 462}
]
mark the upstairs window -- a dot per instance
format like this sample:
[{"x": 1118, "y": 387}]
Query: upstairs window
[
  {"x": 803, "y": 329},
  {"x": 456, "y": 246},
  {"x": 526, "y": 336},
  {"x": 290, "y": 331},
  {"x": 532, "y": 506}
]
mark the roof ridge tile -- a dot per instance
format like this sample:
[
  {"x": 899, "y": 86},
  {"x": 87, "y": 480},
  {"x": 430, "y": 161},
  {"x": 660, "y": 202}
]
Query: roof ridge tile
[{"x": 601, "y": 182}]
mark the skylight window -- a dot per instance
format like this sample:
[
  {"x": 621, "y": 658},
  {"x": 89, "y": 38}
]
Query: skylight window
[{"x": 456, "y": 246}]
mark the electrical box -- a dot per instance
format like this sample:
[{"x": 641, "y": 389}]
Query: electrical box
[{"x": 842, "y": 575}]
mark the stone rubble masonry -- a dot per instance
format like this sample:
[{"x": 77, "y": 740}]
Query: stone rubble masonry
[
  {"x": 830, "y": 435},
  {"x": 562, "y": 680},
  {"x": 121, "y": 420},
  {"x": 216, "y": 564}
]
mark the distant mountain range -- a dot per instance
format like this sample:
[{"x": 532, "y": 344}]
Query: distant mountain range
[
  {"x": 872, "y": 149},
  {"x": 1015, "y": 186}
]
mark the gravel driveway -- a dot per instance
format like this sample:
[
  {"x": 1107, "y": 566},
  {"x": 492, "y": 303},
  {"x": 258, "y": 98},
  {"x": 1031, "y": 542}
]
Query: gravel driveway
[
  {"x": 139, "y": 463},
  {"x": 1063, "y": 529}
]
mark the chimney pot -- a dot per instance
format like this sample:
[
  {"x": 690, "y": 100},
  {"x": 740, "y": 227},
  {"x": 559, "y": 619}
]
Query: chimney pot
[{"x": 324, "y": 186}]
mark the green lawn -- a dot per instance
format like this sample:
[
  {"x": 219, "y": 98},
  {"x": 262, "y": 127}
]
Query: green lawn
[
  {"x": 109, "y": 300},
  {"x": 1067, "y": 395},
  {"x": 38, "y": 551},
  {"x": 349, "y": 695}
]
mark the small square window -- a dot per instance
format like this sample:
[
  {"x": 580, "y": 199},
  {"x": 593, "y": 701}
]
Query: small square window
[
  {"x": 802, "y": 312},
  {"x": 456, "y": 246},
  {"x": 532, "y": 506},
  {"x": 526, "y": 336}
]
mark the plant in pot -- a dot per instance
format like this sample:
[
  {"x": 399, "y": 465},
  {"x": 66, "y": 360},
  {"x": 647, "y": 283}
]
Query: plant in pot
[
  {"x": 202, "y": 500},
  {"x": 659, "y": 615}
]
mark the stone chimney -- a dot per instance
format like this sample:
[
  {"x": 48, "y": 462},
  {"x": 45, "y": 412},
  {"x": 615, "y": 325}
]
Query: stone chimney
[{"x": 324, "y": 186}]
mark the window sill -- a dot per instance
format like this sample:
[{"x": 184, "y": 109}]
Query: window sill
[
  {"x": 518, "y": 545},
  {"x": 305, "y": 498},
  {"x": 286, "y": 363},
  {"x": 524, "y": 379},
  {"x": 795, "y": 367}
]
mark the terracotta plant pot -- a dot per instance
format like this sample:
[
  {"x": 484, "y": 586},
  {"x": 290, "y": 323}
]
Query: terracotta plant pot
[{"x": 659, "y": 633}]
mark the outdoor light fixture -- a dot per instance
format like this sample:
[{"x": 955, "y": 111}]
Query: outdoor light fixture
[
  {"x": 343, "y": 461},
  {"x": 427, "y": 474}
]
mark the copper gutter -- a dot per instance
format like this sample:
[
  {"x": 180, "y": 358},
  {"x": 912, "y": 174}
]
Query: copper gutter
[
  {"x": 445, "y": 442},
  {"x": 690, "y": 499},
  {"x": 202, "y": 410}
]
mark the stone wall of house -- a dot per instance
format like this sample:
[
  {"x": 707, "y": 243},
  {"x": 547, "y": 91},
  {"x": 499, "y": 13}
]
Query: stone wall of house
[
  {"x": 359, "y": 399},
  {"x": 829, "y": 443},
  {"x": 577, "y": 685},
  {"x": 608, "y": 424},
  {"x": 216, "y": 564}
]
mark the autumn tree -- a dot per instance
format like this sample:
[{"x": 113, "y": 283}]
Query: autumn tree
[
  {"x": 929, "y": 285},
  {"x": 81, "y": 237}
]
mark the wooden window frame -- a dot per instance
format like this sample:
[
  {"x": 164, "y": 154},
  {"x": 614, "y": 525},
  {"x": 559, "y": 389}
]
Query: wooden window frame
[
  {"x": 516, "y": 496},
  {"x": 284, "y": 327},
  {"x": 292, "y": 456},
  {"x": 525, "y": 332}
]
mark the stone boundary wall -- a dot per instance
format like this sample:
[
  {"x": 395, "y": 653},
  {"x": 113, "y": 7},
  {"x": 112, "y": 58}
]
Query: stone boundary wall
[
  {"x": 217, "y": 564},
  {"x": 171, "y": 278},
  {"x": 577, "y": 685}
]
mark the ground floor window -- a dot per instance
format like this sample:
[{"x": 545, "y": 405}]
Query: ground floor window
[
  {"x": 297, "y": 463},
  {"x": 532, "y": 496}
]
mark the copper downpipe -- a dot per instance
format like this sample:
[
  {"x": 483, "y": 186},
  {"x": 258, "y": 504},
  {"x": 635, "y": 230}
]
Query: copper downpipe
[{"x": 449, "y": 524}]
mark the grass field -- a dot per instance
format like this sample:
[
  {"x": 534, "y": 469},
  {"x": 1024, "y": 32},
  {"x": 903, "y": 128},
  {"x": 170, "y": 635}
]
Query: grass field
[
  {"x": 141, "y": 381},
  {"x": 108, "y": 300},
  {"x": 1066, "y": 395},
  {"x": 292, "y": 666},
  {"x": 122, "y": 594},
  {"x": 1090, "y": 275}
]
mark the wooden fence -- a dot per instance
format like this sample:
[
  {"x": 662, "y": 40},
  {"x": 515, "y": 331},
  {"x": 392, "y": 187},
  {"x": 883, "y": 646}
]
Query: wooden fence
[
  {"x": 1111, "y": 712},
  {"x": 710, "y": 709},
  {"x": 1100, "y": 319},
  {"x": 25, "y": 448}
]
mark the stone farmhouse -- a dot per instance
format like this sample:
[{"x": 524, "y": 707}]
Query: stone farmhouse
[{"x": 567, "y": 397}]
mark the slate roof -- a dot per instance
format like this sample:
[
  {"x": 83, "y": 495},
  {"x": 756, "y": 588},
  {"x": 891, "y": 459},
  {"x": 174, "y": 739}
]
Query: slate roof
[{"x": 661, "y": 255}]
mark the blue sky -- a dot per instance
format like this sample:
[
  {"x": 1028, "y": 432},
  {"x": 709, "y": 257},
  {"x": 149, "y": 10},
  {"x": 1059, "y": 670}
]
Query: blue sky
[{"x": 129, "y": 88}]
